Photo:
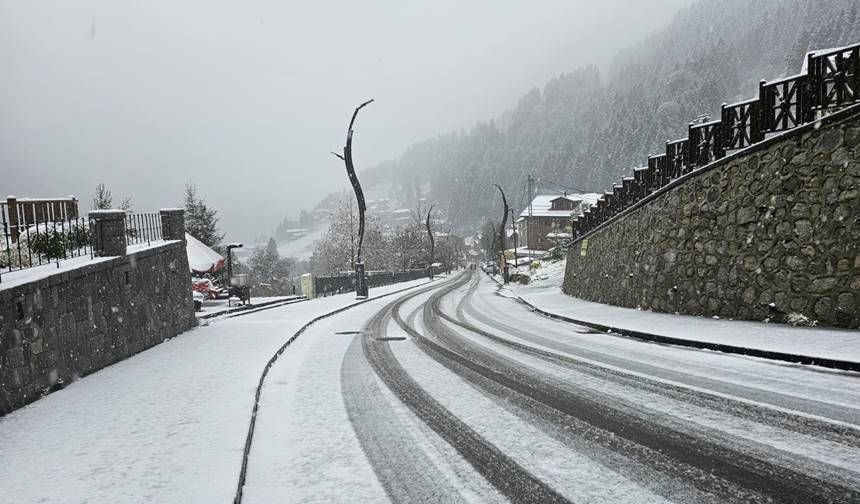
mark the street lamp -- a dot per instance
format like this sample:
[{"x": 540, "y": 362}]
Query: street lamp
[
  {"x": 230, "y": 248},
  {"x": 361, "y": 291},
  {"x": 502, "y": 233},
  {"x": 514, "y": 233}
]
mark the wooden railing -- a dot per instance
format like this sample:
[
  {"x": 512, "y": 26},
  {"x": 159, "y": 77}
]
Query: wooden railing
[
  {"x": 831, "y": 82},
  {"x": 16, "y": 214}
]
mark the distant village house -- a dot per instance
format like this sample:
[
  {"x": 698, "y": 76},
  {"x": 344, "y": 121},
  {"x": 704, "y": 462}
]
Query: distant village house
[{"x": 548, "y": 220}]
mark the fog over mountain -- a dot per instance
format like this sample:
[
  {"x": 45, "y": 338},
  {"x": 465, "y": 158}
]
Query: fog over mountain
[
  {"x": 247, "y": 98},
  {"x": 585, "y": 129}
]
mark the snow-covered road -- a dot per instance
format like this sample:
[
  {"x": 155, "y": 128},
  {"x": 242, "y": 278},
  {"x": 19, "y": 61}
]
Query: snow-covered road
[
  {"x": 456, "y": 394},
  {"x": 446, "y": 392},
  {"x": 167, "y": 425}
]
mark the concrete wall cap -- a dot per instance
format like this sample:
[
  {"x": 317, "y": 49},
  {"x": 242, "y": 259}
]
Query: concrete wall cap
[{"x": 113, "y": 212}]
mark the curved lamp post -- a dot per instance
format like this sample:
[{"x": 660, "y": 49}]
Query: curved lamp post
[
  {"x": 432, "y": 242},
  {"x": 361, "y": 290},
  {"x": 502, "y": 233}
]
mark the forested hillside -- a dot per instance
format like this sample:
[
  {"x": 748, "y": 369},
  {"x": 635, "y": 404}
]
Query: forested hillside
[{"x": 584, "y": 129}]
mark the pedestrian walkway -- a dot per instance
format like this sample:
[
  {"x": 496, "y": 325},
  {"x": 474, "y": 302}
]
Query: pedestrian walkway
[
  {"x": 813, "y": 342},
  {"x": 165, "y": 425}
]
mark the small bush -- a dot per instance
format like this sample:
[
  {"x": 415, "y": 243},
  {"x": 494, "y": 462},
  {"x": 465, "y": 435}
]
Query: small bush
[
  {"x": 48, "y": 243},
  {"x": 555, "y": 254}
]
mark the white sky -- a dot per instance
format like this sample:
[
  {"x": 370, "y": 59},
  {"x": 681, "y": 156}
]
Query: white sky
[{"x": 247, "y": 98}]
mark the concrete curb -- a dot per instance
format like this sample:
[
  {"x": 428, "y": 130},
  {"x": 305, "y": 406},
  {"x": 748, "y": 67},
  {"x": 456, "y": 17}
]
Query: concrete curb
[
  {"x": 702, "y": 345},
  {"x": 242, "y": 308}
]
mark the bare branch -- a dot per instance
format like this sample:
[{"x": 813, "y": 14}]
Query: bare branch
[{"x": 338, "y": 155}]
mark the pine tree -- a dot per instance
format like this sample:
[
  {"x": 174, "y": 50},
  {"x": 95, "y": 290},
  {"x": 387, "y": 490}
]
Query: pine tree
[
  {"x": 102, "y": 200},
  {"x": 269, "y": 268},
  {"x": 201, "y": 222}
]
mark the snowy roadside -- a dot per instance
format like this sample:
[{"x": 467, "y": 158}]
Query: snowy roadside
[
  {"x": 166, "y": 425},
  {"x": 824, "y": 343},
  {"x": 217, "y": 307}
]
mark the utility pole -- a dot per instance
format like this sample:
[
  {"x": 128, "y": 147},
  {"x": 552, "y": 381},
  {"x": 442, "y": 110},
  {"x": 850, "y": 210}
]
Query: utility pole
[{"x": 529, "y": 220}]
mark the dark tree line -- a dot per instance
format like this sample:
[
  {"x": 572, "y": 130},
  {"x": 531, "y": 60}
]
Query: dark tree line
[{"x": 585, "y": 130}]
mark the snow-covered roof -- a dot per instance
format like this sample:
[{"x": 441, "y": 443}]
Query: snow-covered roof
[
  {"x": 201, "y": 258},
  {"x": 542, "y": 203}
]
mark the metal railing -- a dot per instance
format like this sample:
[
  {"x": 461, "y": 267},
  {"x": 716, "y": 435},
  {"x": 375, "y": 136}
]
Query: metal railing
[
  {"x": 831, "y": 82},
  {"x": 37, "y": 232},
  {"x": 27, "y": 245},
  {"x": 142, "y": 228},
  {"x": 345, "y": 282}
]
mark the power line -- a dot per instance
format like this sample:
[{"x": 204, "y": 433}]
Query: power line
[{"x": 574, "y": 189}]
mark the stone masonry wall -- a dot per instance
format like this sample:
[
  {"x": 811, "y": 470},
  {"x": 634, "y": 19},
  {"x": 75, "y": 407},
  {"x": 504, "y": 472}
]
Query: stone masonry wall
[
  {"x": 771, "y": 232},
  {"x": 73, "y": 323}
]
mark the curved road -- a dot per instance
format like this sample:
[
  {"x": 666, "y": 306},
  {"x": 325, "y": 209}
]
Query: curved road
[{"x": 452, "y": 393}]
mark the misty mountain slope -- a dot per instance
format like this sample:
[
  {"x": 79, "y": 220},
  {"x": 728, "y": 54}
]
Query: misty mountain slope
[{"x": 585, "y": 130}]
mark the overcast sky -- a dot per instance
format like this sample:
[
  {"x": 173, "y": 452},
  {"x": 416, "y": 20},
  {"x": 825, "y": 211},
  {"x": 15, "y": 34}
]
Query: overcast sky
[{"x": 247, "y": 98}]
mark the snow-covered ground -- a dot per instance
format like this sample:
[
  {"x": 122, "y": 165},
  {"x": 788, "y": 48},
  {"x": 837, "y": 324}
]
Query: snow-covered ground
[
  {"x": 308, "y": 447},
  {"x": 544, "y": 291},
  {"x": 167, "y": 425}
]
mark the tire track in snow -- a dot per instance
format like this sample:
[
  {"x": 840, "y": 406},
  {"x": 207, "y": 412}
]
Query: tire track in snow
[
  {"x": 759, "y": 476},
  {"x": 406, "y": 473},
  {"x": 849, "y": 436},
  {"x": 501, "y": 471},
  {"x": 249, "y": 437},
  {"x": 650, "y": 470}
]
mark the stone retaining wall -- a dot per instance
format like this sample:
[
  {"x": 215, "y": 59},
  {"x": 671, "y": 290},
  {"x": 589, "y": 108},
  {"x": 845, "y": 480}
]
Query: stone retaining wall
[
  {"x": 67, "y": 325},
  {"x": 771, "y": 234}
]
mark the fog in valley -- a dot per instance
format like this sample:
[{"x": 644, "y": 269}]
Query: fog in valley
[{"x": 246, "y": 99}]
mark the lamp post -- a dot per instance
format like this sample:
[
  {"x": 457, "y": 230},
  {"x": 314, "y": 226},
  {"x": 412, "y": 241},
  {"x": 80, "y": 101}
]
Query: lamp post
[
  {"x": 361, "y": 291},
  {"x": 432, "y": 243},
  {"x": 230, "y": 248},
  {"x": 514, "y": 233},
  {"x": 502, "y": 233}
]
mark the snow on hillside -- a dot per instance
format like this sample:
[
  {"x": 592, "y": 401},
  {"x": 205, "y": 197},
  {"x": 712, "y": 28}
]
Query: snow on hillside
[{"x": 301, "y": 248}]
